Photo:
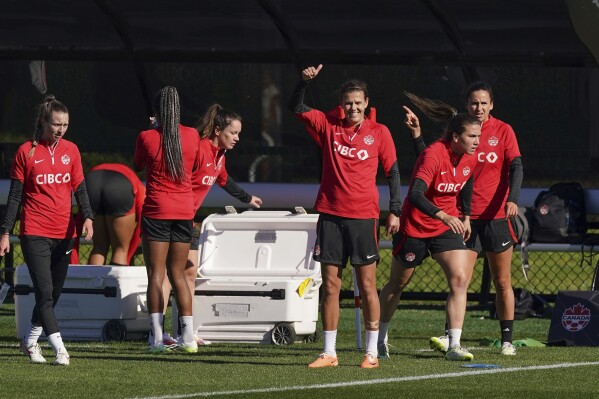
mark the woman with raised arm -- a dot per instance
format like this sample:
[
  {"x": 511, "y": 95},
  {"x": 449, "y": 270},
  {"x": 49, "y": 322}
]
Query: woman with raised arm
[
  {"x": 431, "y": 224},
  {"x": 347, "y": 200},
  {"x": 497, "y": 181}
]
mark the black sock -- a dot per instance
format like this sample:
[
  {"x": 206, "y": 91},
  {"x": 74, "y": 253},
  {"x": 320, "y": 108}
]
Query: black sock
[
  {"x": 506, "y": 327},
  {"x": 446, "y": 328}
]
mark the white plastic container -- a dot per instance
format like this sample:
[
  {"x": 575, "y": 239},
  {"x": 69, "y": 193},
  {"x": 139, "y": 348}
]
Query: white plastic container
[
  {"x": 97, "y": 303},
  {"x": 258, "y": 280}
]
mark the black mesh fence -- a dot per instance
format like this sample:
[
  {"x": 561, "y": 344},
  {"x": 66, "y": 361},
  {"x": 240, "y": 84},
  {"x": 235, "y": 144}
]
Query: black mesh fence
[
  {"x": 549, "y": 108},
  {"x": 548, "y": 273}
]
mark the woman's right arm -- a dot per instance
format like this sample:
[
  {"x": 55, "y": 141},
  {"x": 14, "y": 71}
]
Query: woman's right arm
[
  {"x": 413, "y": 123},
  {"x": 15, "y": 195}
]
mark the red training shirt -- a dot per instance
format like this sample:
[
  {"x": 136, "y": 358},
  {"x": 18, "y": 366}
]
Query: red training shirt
[
  {"x": 49, "y": 178},
  {"x": 212, "y": 169},
  {"x": 498, "y": 147},
  {"x": 444, "y": 181},
  {"x": 350, "y": 163},
  {"x": 165, "y": 199}
]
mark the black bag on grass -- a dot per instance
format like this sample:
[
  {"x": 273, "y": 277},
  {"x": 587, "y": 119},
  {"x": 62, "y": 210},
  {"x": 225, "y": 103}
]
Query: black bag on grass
[
  {"x": 527, "y": 305},
  {"x": 560, "y": 214}
]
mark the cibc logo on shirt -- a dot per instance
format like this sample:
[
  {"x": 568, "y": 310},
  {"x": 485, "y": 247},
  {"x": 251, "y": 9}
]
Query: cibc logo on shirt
[
  {"x": 350, "y": 152},
  {"x": 53, "y": 178},
  {"x": 449, "y": 187},
  {"x": 208, "y": 180}
]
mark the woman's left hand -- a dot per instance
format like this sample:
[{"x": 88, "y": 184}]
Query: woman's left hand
[
  {"x": 255, "y": 202},
  {"x": 88, "y": 229},
  {"x": 392, "y": 226}
]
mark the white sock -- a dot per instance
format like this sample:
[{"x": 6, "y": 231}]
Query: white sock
[
  {"x": 187, "y": 329},
  {"x": 371, "y": 341},
  {"x": 33, "y": 335},
  {"x": 156, "y": 324},
  {"x": 55, "y": 341},
  {"x": 454, "y": 336},
  {"x": 383, "y": 331},
  {"x": 330, "y": 342}
]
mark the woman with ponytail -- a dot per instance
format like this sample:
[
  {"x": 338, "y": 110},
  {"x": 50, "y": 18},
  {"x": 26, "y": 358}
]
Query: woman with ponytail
[
  {"x": 431, "y": 223},
  {"x": 497, "y": 181},
  {"x": 45, "y": 173},
  {"x": 219, "y": 131},
  {"x": 169, "y": 153}
]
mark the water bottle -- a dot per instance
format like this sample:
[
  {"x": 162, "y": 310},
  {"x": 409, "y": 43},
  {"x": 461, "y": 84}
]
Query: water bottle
[{"x": 3, "y": 292}]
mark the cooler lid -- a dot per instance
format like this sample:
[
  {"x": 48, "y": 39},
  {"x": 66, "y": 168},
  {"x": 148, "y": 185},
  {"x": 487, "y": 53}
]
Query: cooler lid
[{"x": 258, "y": 243}]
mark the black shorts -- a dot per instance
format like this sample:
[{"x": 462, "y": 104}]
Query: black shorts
[
  {"x": 339, "y": 239},
  {"x": 412, "y": 251},
  {"x": 166, "y": 230},
  {"x": 491, "y": 236},
  {"x": 110, "y": 193}
]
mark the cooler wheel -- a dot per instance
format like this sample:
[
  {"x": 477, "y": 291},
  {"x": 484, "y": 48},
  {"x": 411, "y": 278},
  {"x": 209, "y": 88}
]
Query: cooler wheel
[
  {"x": 283, "y": 334},
  {"x": 114, "y": 330},
  {"x": 315, "y": 336}
]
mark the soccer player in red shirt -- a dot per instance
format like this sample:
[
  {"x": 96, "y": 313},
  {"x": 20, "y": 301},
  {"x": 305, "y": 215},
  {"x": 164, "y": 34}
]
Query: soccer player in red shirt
[
  {"x": 348, "y": 204},
  {"x": 169, "y": 153},
  {"x": 497, "y": 181},
  {"x": 45, "y": 173},
  {"x": 116, "y": 195},
  {"x": 430, "y": 221},
  {"x": 219, "y": 131}
]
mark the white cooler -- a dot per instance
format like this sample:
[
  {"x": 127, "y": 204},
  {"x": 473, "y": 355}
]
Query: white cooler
[
  {"x": 258, "y": 280},
  {"x": 97, "y": 303}
]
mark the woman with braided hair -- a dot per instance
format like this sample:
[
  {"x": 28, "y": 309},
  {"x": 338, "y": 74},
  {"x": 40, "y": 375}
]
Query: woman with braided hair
[
  {"x": 169, "y": 153},
  {"x": 45, "y": 172},
  {"x": 219, "y": 130}
]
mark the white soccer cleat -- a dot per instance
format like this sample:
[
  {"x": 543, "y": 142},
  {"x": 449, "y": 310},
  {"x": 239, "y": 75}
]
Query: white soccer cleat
[
  {"x": 62, "y": 358},
  {"x": 33, "y": 351},
  {"x": 508, "y": 349},
  {"x": 440, "y": 344},
  {"x": 457, "y": 353}
]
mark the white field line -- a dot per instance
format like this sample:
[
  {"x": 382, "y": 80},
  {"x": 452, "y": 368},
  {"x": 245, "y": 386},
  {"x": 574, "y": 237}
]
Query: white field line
[{"x": 373, "y": 382}]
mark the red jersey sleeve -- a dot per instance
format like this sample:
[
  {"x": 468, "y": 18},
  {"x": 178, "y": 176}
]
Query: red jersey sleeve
[
  {"x": 387, "y": 152},
  {"x": 77, "y": 169},
  {"x": 18, "y": 166},
  {"x": 511, "y": 145},
  {"x": 426, "y": 167}
]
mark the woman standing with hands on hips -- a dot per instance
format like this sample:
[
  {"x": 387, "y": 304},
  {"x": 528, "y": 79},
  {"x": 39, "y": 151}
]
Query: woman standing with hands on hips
[
  {"x": 45, "y": 173},
  {"x": 169, "y": 152}
]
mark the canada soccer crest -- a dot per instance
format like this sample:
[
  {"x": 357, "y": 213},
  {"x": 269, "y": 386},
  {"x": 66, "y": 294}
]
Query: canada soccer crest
[
  {"x": 65, "y": 159},
  {"x": 576, "y": 317},
  {"x": 466, "y": 171},
  {"x": 493, "y": 141},
  {"x": 544, "y": 209},
  {"x": 369, "y": 140},
  {"x": 317, "y": 250},
  {"x": 410, "y": 256}
]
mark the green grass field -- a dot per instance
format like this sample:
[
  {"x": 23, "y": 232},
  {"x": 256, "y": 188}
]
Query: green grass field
[{"x": 124, "y": 370}]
